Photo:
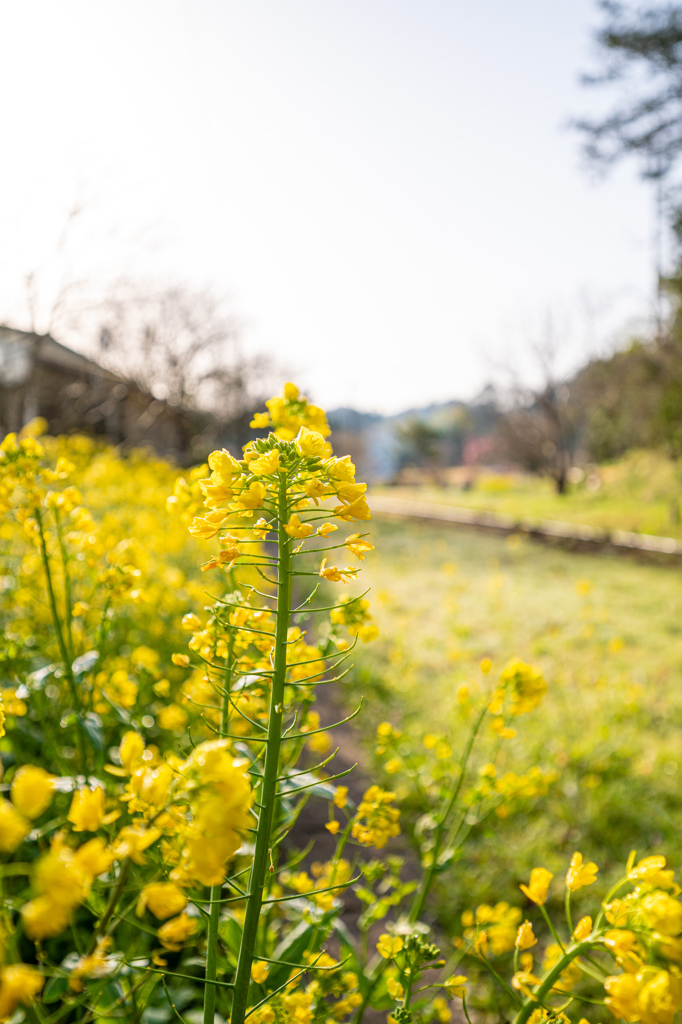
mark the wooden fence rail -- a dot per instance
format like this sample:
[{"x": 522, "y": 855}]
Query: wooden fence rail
[{"x": 571, "y": 536}]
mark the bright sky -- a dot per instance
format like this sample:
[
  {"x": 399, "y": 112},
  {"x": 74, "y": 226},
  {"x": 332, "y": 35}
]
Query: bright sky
[{"x": 385, "y": 188}]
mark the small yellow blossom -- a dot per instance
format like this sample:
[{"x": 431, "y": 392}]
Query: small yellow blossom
[
  {"x": 32, "y": 790},
  {"x": 164, "y": 899},
  {"x": 335, "y": 575},
  {"x": 311, "y": 444},
  {"x": 525, "y": 939},
  {"x": 266, "y": 464},
  {"x": 13, "y": 827},
  {"x": 295, "y": 528},
  {"x": 522, "y": 982},
  {"x": 389, "y": 945},
  {"x": 456, "y": 986},
  {"x": 358, "y": 546},
  {"x": 580, "y": 874},
  {"x": 443, "y": 1014},
  {"x": 538, "y": 886},
  {"x": 394, "y": 988},
  {"x": 259, "y": 971},
  {"x": 583, "y": 928},
  {"x": 175, "y": 932},
  {"x": 96, "y": 965},
  {"x": 191, "y": 622},
  {"x": 621, "y": 942},
  {"x": 622, "y": 992},
  {"x": 19, "y": 983},
  {"x": 181, "y": 660},
  {"x": 341, "y": 796},
  {"x": 86, "y": 813},
  {"x": 662, "y": 912},
  {"x": 130, "y": 751},
  {"x": 332, "y": 826},
  {"x": 172, "y": 717}
]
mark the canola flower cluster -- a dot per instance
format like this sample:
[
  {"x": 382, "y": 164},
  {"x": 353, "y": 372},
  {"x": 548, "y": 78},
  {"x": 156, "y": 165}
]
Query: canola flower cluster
[
  {"x": 159, "y": 744},
  {"x": 87, "y": 635},
  {"x": 631, "y": 949}
]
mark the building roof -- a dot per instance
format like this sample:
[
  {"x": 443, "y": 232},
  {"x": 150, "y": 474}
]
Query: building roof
[{"x": 19, "y": 350}]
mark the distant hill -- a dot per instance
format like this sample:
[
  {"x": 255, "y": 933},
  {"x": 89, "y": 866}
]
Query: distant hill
[{"x": 383, "y": 445}]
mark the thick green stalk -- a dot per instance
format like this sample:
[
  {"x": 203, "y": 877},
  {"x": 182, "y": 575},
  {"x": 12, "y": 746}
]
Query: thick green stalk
[
  {"x": 210, "y": 990},
  {"x": 60, "y": 637},
  {"x": 68, "y": 601},
  {"x": 268, "y": 790},
  {"x": 542, "y": 991}
]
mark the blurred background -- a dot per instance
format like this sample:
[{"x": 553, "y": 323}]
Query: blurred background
[{"x": 455, "y": 225}]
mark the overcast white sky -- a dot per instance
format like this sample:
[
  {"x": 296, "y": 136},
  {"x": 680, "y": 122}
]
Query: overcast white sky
[{"x": 385, "y": 188}]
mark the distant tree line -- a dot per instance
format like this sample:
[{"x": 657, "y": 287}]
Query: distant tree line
[{"x": 633, "y": 398}]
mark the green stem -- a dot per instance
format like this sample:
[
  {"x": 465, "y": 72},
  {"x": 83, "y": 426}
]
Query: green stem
[
  {"x": 547, "y": 984},
  {"x": 372, "y": 981},
  {"x": 409, "y": 981},
  {"x": 60, "y": 636},
  {"x": 555, "y": 934},
  {"x": 569, "y": 915},
  {"x": 211, "y": 990},
  {"x": 427, "y": 881},
  {"x": 110, "y": 908},
  {"x": 68, "y": 607},
  {"x": 268, "y": 790}
]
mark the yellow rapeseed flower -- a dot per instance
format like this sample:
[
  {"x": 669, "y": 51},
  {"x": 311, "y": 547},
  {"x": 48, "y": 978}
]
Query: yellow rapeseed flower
[
  {"x": 164, "y": 899},
  {"x": 538, "y": 886},
  {"x": 335, "y": 575},
  {"x": 579, "y": 873},
  {"x": 259, "y": 971},
  {"x": 341, "y": 796},
  {"x": 662, "y": 913},
  {"x": 394, "y": 988},
  {"x": 525, "y": 939},
  {"x": 19, "y": 983},
  {"x": 583, "y": 928},
  {"x": 13, "y": 827},
  {"x": 266, "y": 464},
  {"x": 389, "y": 946},
  {"x": 456, "y": 986},
  {"x": 86, "y": 813},
  {"x": 311, "y": 444},
  {"x": 358, "y": 546},
  {"x": 175, "y": 932},
  {"x": 295, "y": 528},
  {"x": 32, "y": 790}
]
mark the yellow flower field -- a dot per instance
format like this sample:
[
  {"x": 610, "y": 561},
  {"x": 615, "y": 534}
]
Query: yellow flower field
[{"x": 165, "y": 639}]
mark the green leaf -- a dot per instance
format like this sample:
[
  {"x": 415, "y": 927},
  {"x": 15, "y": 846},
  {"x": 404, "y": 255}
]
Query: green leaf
[
  {"x": 230, "y": 932},
  {"x": 291, "y": 949},
  {"x": 54, "y": 990},
  {"x": 91, "y": 724}
]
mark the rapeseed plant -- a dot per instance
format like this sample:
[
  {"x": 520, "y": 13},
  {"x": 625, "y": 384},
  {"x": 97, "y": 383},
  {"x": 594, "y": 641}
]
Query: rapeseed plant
[{"x": 161, "y": 741}]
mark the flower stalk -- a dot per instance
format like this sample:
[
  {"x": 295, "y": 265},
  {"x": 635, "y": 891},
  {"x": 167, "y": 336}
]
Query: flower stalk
[{"x": 268, "y": 789}]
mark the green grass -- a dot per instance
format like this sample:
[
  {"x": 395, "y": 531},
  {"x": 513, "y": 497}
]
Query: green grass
[
  {"x": 608, "y": 636},
  {"x": 642, "y": 493}
]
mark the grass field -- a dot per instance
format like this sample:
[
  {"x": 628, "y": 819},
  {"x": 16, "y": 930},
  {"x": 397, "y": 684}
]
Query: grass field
[
  {"x": 640, "y": 493},
  {"x": 608, "y": 637}
]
